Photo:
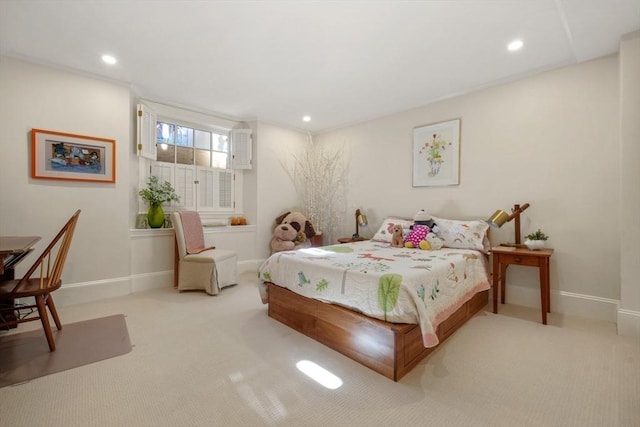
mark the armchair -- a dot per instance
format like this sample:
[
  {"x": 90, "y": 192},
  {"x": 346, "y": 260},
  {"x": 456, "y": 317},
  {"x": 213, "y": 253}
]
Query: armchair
[{"x": 198, "y": 267}]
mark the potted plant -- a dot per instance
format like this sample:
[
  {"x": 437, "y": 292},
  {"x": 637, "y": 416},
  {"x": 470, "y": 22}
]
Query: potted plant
[
  {"x": 156, "y": 194},
  {"x": 536, "y": 240}
]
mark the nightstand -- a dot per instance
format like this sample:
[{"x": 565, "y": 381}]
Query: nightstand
[
  {"x": 317, "y": 241},
  {"x": 351, "y": 239},
  {"x": 503, "y": 256}
]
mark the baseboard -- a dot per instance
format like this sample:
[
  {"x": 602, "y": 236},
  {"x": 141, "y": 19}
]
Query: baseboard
[
  {"x": 79, "y": 293},
  {"x": 629, "y": 323},
  {"x": 568, "y": 303}
]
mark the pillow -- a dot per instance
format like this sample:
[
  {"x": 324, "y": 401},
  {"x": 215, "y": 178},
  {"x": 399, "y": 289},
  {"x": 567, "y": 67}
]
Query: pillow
[
  {"x": 384, "y": 233},
  {"x": 463, "y": 234}
]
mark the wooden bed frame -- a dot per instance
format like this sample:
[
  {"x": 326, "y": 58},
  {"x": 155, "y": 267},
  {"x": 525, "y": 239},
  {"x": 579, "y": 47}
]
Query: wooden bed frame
[{"x": 391, "y": 349}]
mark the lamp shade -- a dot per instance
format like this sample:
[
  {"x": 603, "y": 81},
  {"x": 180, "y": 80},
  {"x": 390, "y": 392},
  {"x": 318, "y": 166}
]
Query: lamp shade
[{"x": 498, "y": 218}]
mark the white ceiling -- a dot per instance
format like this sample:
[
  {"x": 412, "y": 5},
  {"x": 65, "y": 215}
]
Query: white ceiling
[{"x": 341, "y": 62}]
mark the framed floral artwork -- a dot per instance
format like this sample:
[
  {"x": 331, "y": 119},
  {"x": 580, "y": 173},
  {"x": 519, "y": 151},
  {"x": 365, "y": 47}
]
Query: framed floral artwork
[
  {"x": 68, "y": 156},
  {"x": 436, "y": 154}
]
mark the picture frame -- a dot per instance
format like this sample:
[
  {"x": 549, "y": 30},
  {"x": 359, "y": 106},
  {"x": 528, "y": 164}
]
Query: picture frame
[
  {"x": 436, "y": 154},
  {"x": 73, "y": 157}
]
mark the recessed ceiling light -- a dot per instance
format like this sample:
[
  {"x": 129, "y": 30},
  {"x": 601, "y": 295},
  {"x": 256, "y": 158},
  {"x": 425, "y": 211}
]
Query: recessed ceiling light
[
  {"x": 306, "y": 118},
  {"x": 109, "y": 59},
  {"x": 515, "y": 45}
]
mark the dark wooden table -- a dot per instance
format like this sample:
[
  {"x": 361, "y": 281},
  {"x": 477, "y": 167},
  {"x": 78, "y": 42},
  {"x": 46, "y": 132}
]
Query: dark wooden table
[{"x": 12, "y": 250}]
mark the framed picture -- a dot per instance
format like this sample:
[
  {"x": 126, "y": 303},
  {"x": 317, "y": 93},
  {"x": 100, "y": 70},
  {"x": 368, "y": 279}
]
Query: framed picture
[
  {"x": 58, "y": 155},
  {"x": 436, "y": 154}
]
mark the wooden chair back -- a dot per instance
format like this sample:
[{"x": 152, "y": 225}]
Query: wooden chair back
[{"x": 50, "y": 273}]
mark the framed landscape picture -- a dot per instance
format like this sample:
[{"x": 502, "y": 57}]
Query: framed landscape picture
[
  {"x": 67, "y": 156},
  {"x": 436, "y": 154}
]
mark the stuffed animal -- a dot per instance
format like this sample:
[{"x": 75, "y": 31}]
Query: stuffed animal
[
  {"x": 434, "y": 241},
  {"x": 283, "y": 238},
  {"x": 302, "y": 228},
  {"x": 417, "y": 237},
  {"x": 423, "y": 218},
  {"x": 299, "y": 222},
  {"x": 397, "y": 240}
]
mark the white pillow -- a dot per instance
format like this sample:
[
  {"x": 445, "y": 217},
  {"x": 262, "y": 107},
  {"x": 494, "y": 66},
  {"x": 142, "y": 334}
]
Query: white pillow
[
  {"x": 384, "y": 233},
  {"x": 463, "y": 234}
]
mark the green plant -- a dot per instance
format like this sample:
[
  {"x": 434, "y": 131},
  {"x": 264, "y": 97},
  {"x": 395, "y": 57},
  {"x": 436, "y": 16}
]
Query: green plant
[
  {"x": 538, "y": 235},
  {"x": 156, "y": 193}
]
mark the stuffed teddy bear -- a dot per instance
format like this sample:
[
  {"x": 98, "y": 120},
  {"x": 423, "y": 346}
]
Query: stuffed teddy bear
[
  {"x": 303, "y": 228},
  {"x": 397, "y": 241},
  {"x": 283, "y": 239}
]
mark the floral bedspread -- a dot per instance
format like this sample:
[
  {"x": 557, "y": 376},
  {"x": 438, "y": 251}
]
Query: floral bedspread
[{"x": 397, "y": 285}]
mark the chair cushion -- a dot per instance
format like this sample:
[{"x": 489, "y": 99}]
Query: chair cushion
[{"x": 205, "y": 256}]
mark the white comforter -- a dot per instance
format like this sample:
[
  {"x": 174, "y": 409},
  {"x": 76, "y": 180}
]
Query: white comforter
[{"x": 397, "y": 285}]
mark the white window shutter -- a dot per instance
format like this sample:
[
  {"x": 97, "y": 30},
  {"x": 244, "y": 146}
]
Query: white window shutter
[
  {"x": 164, "y": 172},
  {"x": 225, "y": 189},
  {"x": 184, "y": 180},
  {"x": 146, "y": 132},
  {"x": 241, "y": 147},
  {"x": 207, "y": 182}
]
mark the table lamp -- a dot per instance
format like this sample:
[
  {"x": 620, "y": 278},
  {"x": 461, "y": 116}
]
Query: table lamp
[
  {"x": 500, "y": 217},
  {"x": 361, "y": 221}
]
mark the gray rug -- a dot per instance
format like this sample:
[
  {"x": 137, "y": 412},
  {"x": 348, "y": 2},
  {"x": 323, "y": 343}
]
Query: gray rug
[{"x": 25, "y": 356}]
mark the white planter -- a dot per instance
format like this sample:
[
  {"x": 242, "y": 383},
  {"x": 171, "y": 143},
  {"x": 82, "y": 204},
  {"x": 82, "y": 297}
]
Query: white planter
[{"x": 535, "y": 244}]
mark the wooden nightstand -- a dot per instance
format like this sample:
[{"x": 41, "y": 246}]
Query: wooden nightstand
[
  {"x": 351, "y": 239},
  {"x": 503, "y": 256}
]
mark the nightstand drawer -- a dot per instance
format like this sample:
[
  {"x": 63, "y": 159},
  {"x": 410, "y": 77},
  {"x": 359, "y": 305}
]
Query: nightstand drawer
[{"x": 519, "y": 259}]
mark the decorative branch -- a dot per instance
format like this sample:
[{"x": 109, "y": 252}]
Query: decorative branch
[{"x": 318, "y": 176}]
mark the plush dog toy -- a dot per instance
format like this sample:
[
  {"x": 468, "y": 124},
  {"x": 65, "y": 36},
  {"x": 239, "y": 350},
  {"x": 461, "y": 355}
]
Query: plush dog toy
[
  {"x": 397, "y": 240},
  {"x": 283, "y": 239},
  {"x": 302, "y": 228}
]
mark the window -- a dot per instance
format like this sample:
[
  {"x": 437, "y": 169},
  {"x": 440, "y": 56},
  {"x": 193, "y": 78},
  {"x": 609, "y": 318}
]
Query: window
[
  {"x": 180, "y": 144},
  {"x": 198, "y": 160}
]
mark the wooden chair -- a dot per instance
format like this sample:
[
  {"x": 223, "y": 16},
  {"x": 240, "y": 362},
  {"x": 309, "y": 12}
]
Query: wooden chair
[
  {"x": 198, "y": 266},
  {"x": 47, "y": 271}
]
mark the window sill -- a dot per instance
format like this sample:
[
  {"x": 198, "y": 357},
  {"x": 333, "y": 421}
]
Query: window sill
[
  {"x": 230, "y": 229},
  {"x": 147, "y": 232}
]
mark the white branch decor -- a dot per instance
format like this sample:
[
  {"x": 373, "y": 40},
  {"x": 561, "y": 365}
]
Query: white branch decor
[{"x": 318, "y": 176}]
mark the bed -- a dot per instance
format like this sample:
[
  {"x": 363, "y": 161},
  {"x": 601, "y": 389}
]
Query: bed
[{"x": 385, "y": 307}]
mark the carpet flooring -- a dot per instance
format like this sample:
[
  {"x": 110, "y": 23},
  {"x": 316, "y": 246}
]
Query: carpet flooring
[
  {"x": 25, "y": 356},
  {"x": 208, "y": 361}
]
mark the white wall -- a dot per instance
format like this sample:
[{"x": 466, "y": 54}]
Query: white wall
[
  {"x": 629, "y": 313},
  {"x": 275, "y": 191},
  {"x": 39, "y": 97},
  {"x": 551, "y": 140}
]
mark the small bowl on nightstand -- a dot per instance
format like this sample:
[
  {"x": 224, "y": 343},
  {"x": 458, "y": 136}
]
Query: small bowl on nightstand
[{"x": 534, "y": 244}]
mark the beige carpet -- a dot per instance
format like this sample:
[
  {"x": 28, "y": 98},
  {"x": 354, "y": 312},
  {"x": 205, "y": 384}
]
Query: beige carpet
[
  {"x": 25, "y": 356},
  {"x": 220, "y": 361}
]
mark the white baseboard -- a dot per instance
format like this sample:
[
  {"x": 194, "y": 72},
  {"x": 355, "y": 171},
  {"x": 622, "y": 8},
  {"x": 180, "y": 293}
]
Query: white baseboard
[
  {"x": 568, "y": 303},
  {"x": 629, "y": 323},
  {"x": 79, "y": 293}
]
